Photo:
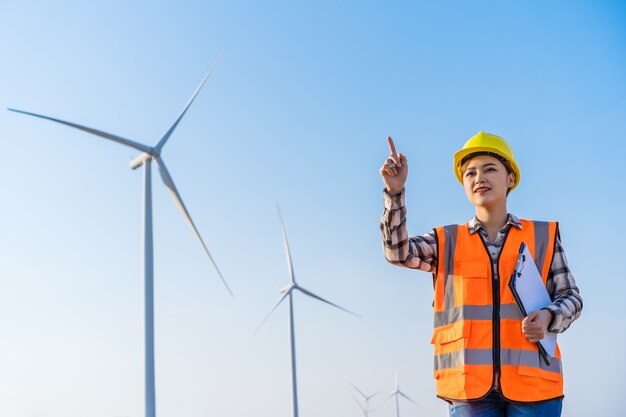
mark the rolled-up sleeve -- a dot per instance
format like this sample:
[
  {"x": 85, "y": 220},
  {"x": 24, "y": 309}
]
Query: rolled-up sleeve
[{"x": 398, "y": 247}]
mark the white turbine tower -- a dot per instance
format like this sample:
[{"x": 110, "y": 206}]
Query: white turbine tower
[
  {"x": 398, "y": 393},
  {"x": 145, "y": 158},
  {"x": 287, "y": 291}
]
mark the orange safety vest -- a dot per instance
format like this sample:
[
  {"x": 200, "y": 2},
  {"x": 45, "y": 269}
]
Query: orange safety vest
[{"x": 478, "y": 325}]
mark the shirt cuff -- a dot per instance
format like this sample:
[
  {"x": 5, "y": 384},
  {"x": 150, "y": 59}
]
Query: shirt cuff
[
  {"x": 556, "y": 317},
  {"x": 393, "y": 201}
]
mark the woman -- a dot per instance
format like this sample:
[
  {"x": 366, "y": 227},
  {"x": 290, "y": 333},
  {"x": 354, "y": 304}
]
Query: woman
[{"x": 486, "y": 359}]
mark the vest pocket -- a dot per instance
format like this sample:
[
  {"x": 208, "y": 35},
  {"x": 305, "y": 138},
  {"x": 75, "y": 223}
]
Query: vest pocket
[
  {"x": 449, "y": 343},
  {"x": 539, "y": 373},
  {"x": 531, "y": 364},
  {"x": 451, "y": 332},
  {"x": 472, "y": 279}
]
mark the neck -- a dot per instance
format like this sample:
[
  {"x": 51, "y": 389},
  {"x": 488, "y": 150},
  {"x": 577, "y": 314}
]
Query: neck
[{"x": 493, "y": 218}]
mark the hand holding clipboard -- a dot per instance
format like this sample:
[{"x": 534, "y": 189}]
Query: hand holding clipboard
[{"x": 531, "y": 295}]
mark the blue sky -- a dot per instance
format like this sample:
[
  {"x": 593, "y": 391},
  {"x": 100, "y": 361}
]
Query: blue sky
[{"x": 296, "y": 113}]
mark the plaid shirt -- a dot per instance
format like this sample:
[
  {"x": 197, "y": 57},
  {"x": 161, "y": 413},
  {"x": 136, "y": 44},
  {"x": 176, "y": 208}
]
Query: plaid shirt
[{"x": 399, "y": 248}]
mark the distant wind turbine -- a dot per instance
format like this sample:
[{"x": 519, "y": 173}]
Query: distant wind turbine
[
  {"x": 398, "y": 393},
  {"x": 145, "y": 158},
  {"x": 364, "y": 408},
  {"x": 366, "y": 398},
  {"x": 287, "y": 292}
]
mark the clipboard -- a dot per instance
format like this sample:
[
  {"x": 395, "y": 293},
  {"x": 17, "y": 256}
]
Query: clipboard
[{"x": 531, "y": 294}]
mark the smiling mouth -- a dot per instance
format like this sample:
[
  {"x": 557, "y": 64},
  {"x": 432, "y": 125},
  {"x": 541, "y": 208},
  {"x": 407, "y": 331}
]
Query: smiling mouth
[{"x": 482, "y": 189}]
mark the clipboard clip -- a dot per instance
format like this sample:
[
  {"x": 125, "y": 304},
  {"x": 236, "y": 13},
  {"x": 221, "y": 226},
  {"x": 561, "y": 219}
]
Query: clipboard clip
[{"x": 519, "y": 271}]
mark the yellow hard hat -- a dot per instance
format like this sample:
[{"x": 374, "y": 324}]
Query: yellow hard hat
[{"x": 486, "y": 144}]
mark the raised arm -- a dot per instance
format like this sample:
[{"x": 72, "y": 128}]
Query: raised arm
[{"x": 417, "y": 252}]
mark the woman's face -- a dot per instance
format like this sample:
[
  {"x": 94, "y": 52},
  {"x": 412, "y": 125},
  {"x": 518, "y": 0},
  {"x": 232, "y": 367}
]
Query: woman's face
[{"x": 486, "y": 181}]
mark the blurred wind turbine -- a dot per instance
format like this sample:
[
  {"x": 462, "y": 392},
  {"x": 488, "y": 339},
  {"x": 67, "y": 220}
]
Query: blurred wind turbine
[
  {"x": 366, "y": 398},
  {"x": 287, "y": 292},
  {"x": 364, "y": 409},
  {"x": 145, "y": 158},
  {"x": 397, "y": 393}
]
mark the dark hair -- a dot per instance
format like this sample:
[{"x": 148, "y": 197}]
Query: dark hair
[{"x": 506, "y": 163}]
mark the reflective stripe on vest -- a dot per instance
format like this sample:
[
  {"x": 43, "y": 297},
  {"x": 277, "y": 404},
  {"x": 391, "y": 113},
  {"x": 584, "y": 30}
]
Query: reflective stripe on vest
[
  {"x": 512, "y": 357},
  {"x": 466, "y": 319}
]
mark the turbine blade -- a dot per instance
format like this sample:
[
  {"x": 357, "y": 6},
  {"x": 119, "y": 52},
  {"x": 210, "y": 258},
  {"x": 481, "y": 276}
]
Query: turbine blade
[
  {"x": 118, "y": 139},
  {"x": 280, "y": 300},
  {"x": 167, "y": 135},
  {"x": 169, "y": 183},
  {"x": 317, "y": 297},
  {"x": 286, "y": 244},
  {"x": 359, "y": 403},
  {"x": 373, "y": 395},
  {"x": 358, "y": 390},
  {"x": 410, "y": 399},
  {"x": 383, "y": 402}
]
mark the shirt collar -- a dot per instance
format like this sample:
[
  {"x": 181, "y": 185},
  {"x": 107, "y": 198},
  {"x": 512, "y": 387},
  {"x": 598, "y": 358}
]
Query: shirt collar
[{"x": 475, "y": 225}]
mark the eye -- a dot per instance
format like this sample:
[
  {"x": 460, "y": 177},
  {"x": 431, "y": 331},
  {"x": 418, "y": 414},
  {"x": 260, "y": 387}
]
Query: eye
[{"x": 469, "y": 173}]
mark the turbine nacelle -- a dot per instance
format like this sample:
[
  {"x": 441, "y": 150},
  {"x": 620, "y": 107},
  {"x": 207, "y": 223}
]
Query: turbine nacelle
[
  {"x": 287, "y": 288},
  {"x": 139, "y": 161}
]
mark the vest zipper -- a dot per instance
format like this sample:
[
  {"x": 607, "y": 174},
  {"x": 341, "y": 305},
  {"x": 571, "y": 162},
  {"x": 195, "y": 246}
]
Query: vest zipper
[{"x": 495, "y": 294}]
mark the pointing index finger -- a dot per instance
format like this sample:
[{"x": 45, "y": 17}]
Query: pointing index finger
[{"x": 392, "y": 147}]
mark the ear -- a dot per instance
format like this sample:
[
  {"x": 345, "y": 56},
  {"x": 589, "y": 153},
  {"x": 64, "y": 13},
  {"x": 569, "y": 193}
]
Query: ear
[{"x": 510, "y": 179}]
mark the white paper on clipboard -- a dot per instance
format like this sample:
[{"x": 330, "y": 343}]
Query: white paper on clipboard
[{"x": 532, "y": 292}]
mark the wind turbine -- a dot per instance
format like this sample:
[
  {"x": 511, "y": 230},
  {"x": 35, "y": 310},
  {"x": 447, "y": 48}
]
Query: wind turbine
[
  {"x": 364, "y": 409},
  {"x": 366, "y": 398},
  {"x": 398, "y": 393},
  {"x": 287, "y": 291},
  {"x": 148, "y": 154}
]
